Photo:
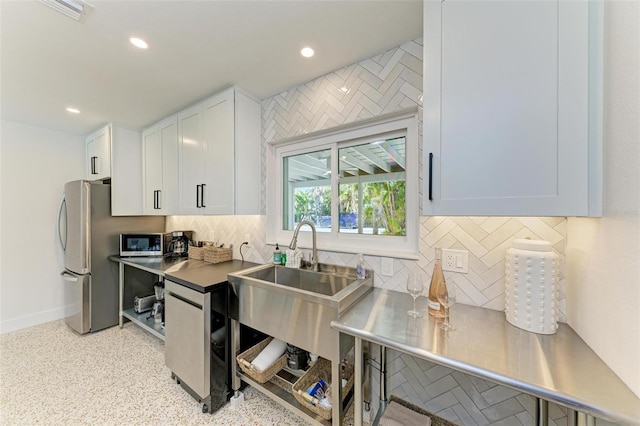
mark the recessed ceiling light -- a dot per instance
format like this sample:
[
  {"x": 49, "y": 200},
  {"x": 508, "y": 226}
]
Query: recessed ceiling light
[
  {"x": 307, "y": 52},
  {"x": 138, "y": 42},
  {"x": 73, "y": 110}
]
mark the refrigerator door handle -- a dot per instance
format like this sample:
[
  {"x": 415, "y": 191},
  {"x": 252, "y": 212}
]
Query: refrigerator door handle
[
  {"x": 68, "y": 277},
  {"x": 63, "y": 203}
]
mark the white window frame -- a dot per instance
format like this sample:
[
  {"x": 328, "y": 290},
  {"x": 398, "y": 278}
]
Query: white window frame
[{"x": 405, "y": 247}]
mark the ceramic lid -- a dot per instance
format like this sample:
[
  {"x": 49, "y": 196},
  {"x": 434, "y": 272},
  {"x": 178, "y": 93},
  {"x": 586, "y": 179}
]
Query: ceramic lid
[{"x": 532, "y": 245}]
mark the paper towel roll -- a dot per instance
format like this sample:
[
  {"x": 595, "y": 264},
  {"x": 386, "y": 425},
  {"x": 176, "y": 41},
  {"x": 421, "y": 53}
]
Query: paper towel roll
[
  {"x": 270, "y": 354},
  {"x": 531, "y": 286}
]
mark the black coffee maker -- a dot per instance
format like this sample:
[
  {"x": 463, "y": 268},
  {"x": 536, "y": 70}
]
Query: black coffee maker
[{"x": 179, "y": 245}]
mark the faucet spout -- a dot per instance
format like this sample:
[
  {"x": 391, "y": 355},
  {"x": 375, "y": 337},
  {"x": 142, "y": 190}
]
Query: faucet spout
[{"x": 294, "y": 242}]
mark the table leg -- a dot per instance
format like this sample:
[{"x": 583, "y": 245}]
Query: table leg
[
  {"x": 120, "y": 293},
  {"x": 583, "y": 419},
  {"x": 542, "y": 412},
  {"x": 357, "y": 384}
]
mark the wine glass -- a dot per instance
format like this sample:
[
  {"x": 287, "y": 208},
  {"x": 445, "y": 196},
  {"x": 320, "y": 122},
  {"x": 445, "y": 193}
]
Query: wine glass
[
  {"x": 414, "y": 287},
  {"x": 446, "y": 295}
]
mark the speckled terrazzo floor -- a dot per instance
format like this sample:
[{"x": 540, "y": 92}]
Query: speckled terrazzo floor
[{"x": 49, "y": 375}]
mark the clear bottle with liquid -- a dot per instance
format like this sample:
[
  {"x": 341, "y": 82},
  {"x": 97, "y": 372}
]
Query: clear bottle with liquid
[
  {"x": 361, "y": 272},
  {"x": 277, "y": 255},
  {"x": 436, "y": 309}
]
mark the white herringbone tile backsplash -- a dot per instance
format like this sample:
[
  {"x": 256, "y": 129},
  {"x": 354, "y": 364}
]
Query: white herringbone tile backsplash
[{"x": 377, "y": 86}]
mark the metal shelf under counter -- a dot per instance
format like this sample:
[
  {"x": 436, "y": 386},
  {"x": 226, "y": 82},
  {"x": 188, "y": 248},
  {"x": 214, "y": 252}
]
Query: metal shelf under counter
[
  {"x": 279, "y": 390},
  {"x": 145, "y": 321},
  {"x": 559, "y": 368}
]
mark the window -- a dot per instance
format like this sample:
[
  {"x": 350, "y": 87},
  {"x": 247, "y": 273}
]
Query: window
[{"x": 358, "y": 186}]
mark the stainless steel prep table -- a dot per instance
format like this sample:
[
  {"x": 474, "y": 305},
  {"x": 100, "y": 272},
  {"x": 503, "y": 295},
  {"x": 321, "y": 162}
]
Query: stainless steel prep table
[
  {"x": 560, "y": 368},
  {"x": 195, "y": 274}
]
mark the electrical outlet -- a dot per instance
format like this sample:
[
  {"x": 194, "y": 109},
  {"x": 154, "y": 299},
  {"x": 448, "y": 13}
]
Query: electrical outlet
[
  {"x": 386, "y": 266},
  {"x": 247, "y": 239},
  {"x": 455, "y": 261}
]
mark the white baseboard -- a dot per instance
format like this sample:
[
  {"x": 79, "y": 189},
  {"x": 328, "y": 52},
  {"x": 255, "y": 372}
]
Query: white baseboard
[{"x": 14, "y": 324}]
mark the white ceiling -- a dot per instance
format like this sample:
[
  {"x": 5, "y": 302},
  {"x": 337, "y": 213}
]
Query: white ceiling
[{"x": 196, "y": 48}]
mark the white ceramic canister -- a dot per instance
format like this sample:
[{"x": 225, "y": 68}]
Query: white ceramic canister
[{"x": 532, "y": 285}]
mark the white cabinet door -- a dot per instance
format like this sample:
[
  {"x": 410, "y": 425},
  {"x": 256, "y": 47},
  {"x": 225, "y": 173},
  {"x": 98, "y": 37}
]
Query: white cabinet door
[
  {"x": 505, "y": 108},
  {"x": 218, "y": 121},
  {"x": 192, "y": 160},
  {"x": 91, "y": 157},
  {"x": 126, "y": 174},
  {"x": 169, "y": 196},
  {"x": 220, "y": 164},
  {"x": 160, "y": 167},
  {"x": 152, "y": 170},
  {"x": 248, "y": 155},
  {"x": 98, "y": 151}
]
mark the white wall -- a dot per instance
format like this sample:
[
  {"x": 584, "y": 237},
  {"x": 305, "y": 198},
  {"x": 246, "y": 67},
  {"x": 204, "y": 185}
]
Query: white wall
[
  {"x": 35, "y": 163},
  {"x": 603, "y": 255}
]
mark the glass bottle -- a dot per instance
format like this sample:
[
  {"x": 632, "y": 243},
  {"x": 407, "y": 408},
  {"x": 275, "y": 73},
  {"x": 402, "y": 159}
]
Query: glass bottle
[
  {"x": 277, "y": 255},
  {"x": 361, "y": 272},
  {"x": 436, "y": 309}
]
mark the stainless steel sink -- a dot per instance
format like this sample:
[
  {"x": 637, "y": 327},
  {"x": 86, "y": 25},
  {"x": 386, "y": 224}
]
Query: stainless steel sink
[
  {"x": 297, "y": 305},
  {"x": 324, "y": 283}
]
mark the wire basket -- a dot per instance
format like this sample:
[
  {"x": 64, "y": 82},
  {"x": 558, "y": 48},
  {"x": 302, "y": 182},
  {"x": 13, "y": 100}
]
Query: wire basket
[
  {"x": 196, "y": 253},
  {"x": 217, "y": 255},
  {"x": 321, "y": 369},
  {"x": 246, "y": 357}
]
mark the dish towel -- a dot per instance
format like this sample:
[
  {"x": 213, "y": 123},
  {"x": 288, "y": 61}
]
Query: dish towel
[
  {"x": 294, "y": 257},
  {"x": 399, "y": 415},
  {"x": 270, "y": 354}
]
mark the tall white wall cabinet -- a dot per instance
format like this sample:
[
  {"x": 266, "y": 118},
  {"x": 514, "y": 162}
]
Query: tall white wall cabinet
[
  {"x": 160, "y": 168},
  {"x": 219, "y": 155},
  {"x": 113, "y": 152},
  {"x": 508, "y": 128}
]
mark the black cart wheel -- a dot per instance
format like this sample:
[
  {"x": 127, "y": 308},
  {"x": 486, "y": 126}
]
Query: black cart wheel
[{"x": 205, "y": 409}]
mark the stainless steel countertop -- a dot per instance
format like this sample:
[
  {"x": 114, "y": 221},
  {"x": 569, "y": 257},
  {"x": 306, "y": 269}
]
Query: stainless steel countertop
[
  {"x": 560, "y": 368},
  {"x": 196, "y": 274}
]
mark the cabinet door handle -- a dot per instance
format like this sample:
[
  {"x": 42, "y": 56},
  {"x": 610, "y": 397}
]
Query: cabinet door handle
[
  {"x": 93, "y": 165},
  {"x": 431, "y": 176},
  {"x": 198, "y": 196},
  {"x": 156, "y": 199},
  {"x": 159, "y": 191},
  {"x": 202, "y": 195}
]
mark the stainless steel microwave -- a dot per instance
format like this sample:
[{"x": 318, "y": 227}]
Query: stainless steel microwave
[{"x": 156, "y": 244}]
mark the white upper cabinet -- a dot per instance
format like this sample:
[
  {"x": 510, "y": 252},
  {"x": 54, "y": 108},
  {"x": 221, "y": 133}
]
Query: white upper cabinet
[
  {"x": 220, "y": 155},
  {"x": 98, "y": 154},
  {"x": 191, "y": 154},
  {"x": 113, "y": 153},
  {"x": 506, "y": 109},
  {"x": 160, "y": 168}
]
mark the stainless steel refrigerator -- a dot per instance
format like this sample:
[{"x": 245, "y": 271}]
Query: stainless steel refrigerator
[{"x": 88, "y": 235}]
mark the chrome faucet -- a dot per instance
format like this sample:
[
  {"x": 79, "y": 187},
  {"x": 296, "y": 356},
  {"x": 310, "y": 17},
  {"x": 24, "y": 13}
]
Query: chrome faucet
[{"x": 294, "y": 242}]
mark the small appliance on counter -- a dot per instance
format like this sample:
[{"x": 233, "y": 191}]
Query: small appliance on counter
[
  {"x": 144, "y": 244},
  {"x": 179, "y": 245}
]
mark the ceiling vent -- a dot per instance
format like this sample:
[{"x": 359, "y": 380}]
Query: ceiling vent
[{"x": 75, "y": 9}]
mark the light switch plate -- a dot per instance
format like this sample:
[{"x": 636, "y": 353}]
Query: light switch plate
[
  {"x": 386, "y": 266},
  {"x": 455, "y": 261}
]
